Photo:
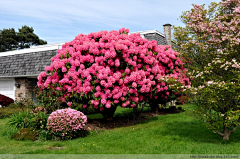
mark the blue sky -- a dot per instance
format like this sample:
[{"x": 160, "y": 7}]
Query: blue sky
[{"x": 61, "y": 20}]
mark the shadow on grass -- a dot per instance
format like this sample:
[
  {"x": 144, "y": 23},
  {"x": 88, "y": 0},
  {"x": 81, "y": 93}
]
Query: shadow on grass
[
  {"x": 120, "y": 112},
  {"x": 123, "y": 119},
  {"x": 196, "y": 131}
]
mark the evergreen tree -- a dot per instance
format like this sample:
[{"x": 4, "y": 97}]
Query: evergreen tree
[{"x": 24, "y": 38}]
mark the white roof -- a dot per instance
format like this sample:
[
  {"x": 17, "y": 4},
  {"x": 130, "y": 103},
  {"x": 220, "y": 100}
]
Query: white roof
[
  {"x": 149, "y": 32},
  {"x": 57, "y": 46},
  {"x": 33, "y": 49}
]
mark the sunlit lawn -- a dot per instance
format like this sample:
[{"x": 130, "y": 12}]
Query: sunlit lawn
[{"x": 164, "y": 134}]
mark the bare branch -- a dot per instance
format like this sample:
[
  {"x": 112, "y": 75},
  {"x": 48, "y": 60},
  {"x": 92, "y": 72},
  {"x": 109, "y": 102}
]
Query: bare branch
[
  {"x": 234, "y": 129},
  {"x": 219, "y": 133}
]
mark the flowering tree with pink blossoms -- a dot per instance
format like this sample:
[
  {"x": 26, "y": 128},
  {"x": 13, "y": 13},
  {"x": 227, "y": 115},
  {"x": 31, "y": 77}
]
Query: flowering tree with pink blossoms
[
  {"x": 110, "y": 69},
  {"x": 210, "y": 45}
]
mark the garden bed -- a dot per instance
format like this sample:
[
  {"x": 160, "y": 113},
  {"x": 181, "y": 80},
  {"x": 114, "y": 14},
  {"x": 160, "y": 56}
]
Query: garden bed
[{"x": 126, "y": 120}]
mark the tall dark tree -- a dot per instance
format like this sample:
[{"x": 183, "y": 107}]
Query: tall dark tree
[
  {"x": 8, "y": 40},
  {"x": 27, "y": 38},
  {"x": 24, "y": 38}
]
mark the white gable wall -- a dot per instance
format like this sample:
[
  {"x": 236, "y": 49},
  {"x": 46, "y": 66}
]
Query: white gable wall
[{"x": 7, "y": 87}]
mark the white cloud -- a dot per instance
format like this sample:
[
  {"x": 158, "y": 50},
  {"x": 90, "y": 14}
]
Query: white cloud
[{"x": 52, "y": 17}]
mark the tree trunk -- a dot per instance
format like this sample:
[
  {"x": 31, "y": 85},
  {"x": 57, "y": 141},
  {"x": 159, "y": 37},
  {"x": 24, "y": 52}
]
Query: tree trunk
[
  {"x": 108, "y": 113},
  {"x": 154, "y": 106},
  {"x": 226, "y": 134},
  {"x": 226, "y": 137}
]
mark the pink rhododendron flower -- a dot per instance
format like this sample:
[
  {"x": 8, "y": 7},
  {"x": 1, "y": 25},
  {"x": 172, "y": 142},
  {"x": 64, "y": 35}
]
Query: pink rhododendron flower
[
  {"x": 122, "y": 98},
  {"x": 112, "y": 66},
  {"x": 134, "y": 84},
  {"x": 69, "y": 104},
  {"x": 116, "y": 101},
  {"x": 108, "y": 104}
]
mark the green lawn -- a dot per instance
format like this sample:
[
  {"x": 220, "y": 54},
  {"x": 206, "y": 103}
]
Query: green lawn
[{"x": 164, "y": 134}]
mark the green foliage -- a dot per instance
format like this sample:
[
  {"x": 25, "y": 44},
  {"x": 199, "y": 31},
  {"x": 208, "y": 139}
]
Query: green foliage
[
  {"x": 17, "y": 121},
  {"x": 209, "y": 43},
  {"x": 26, "y": 134},
  {"x": 88, "y": 110},
  {"x": 21, "y": 104},
  {"x": 39, "y": 121},
  {"x": 35, "y": 121},
  {"x": 45, "y": 135},
  {"x": 24, "y": 102},
  {"x": 24, "y": 38},
  {"x": 8, "y": 40},
  {"x": 49, "y": 98},
  {"x": 163, "y": 134},
  {"x": 9, "y": 111},
  {"x": 27, "y": 38},
  {"x": 23, "y": 114}
]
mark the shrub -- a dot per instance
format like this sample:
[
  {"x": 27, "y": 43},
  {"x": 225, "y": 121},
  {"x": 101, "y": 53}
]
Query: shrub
[
  {"x": 24, "y": 102},
  {"x": 37, "y": 122},
  {"x": 25, "y": 134},
  {"x": 86, "y": 111},
  {"x": 18, "y": 121},
  {"x": 9, "y": 111},
  {"x": 12, "y": 109},
  {"x": 110, "y": 69},
  {"x": 67, "y": 123},
  {"x": 38, "y": 110},
  {"x": 45, "y": 135},
  {"x": 21, "y": 104},
  {"x": 5, "y": 101},
  {"x": 49, "y": 98}
]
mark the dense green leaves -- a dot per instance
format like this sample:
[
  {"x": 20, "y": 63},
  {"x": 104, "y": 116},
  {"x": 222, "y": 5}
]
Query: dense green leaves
[{"x": 24, "y": 38}]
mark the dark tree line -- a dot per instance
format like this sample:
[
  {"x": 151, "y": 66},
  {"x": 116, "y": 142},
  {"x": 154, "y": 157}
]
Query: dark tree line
[{"x": 23, "y": 38}]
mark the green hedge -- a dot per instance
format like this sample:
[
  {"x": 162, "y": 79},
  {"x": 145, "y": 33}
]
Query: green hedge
[{"x": 6, "y": 112}]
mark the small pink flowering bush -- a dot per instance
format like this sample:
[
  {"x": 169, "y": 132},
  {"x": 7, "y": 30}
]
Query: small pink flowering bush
[
  {"x": 110, "y": 69},
  {"x": 38, "y": 110},
  {"x": 67, "y": 123}
]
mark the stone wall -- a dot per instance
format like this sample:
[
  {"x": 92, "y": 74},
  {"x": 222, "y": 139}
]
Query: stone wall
[{"x": 25, "y": 87}]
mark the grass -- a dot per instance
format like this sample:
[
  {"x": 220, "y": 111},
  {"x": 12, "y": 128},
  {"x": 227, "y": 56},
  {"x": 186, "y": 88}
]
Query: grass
[{"x": 164, "y": 134}]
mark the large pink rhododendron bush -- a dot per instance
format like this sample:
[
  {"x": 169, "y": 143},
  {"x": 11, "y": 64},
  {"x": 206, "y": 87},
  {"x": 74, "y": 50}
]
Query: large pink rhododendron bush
[{"x": 110, "y": 69}]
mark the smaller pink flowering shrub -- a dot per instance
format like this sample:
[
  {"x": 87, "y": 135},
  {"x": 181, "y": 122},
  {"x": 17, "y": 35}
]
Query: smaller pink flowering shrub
[
  {"x": 67, "y": 123},
  {"x": 38, "y": 110}
]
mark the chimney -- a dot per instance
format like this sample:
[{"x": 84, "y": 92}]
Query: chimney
[{"x": 167, "y": 32}]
